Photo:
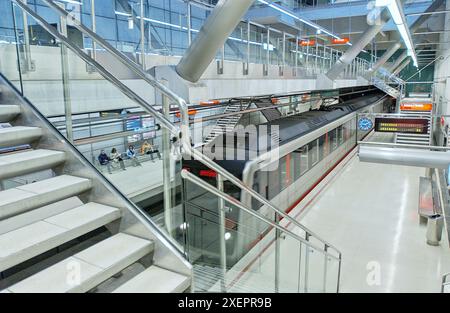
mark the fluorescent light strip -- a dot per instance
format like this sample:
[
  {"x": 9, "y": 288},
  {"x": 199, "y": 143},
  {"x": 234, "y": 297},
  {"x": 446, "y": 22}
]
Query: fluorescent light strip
[
  {"x": 280, "y": 9},
  {"x": 399, "y": 20},
  {"x": 72, "y": 1},
  {"x": 182, "y": 27}
]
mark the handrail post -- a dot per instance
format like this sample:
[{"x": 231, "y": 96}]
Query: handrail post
[
  {"x": 325, "y": 269},
  {"x": 277, "y": 254},
  {"x": 142, "y": 35},
  {"x": 339, "y": 273},
  {"x": 222, "y": 230},
  {"x": 62, "y": 28},
  {"x": 166, "y": 164},
  {"x": 307, "y": 235}
]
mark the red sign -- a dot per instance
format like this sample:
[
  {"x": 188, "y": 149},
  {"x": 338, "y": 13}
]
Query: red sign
[
  {"x": 340, "y": 41},
  {"x": 306, "y": 43}
]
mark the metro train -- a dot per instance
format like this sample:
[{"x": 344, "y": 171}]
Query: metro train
[{"x": 308, "y": 146}]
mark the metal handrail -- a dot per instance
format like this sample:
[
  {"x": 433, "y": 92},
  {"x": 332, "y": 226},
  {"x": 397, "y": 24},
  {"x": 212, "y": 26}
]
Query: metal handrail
[
  {"x": 402, "y": 145},
  {"x": 134, "y": 209},
  {"x": 131, "y": 65},
  {"x": 210, "y": 188},
  {"x": 185, "y": 133}
]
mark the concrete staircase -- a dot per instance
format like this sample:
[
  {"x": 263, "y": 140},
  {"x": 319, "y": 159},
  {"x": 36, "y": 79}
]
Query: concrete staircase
[{"x": 54, "y": 236}]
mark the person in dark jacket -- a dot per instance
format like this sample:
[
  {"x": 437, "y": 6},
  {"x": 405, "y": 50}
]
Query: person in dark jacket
[{"x": 104, "y": 160}]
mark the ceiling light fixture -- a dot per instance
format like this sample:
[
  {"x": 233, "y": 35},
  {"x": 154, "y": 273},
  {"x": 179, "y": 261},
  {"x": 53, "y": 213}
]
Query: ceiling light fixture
[{"x": 309, "y": 23}]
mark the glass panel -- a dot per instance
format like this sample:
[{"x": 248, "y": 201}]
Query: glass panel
[
  {"x": 304, "y": 165},
  {"x": 315, "y": 268},
  {"x": 118, "y": 136}
]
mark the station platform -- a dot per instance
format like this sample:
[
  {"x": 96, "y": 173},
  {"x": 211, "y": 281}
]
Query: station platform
[{"x": 370, "y": 212}]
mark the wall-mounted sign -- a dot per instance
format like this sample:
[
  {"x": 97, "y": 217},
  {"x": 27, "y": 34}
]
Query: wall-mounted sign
[
  {"x": 307, "y": 43},
  {"x": 402, "y": 125},
  {"x": 340, "y": 41},
  {"x": 416, "y": 106}
]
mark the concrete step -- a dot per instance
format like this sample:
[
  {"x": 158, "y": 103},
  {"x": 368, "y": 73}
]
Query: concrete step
[
  {"x": 8, "y": 112},
  {"x": 156, "y": 280},
  {"x": 13, "y": 136},
  {"x": 38, "y": 214},
  {"x": 34, "y": 239},
  {"x": 16, "y": 164},
  {"x": 28, "y": 197},
  {"x": 94, "y": 265}
]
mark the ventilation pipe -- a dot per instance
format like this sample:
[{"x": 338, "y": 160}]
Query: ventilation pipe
[
  {"x": 402, "y": 156},
  {"x": 402, "y": 66},
  {"x": 397, "y": 62},
  {"x": 394, "y": 47},
  {"x": 357, "y": 47},
  {"x": 217, "y": 28}
]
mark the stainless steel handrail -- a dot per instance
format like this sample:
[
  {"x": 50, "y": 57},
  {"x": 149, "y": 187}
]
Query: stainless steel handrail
[
  {"x": 185, "y": 137},
  {"x": 134, "y": 209},
  {"x": 210, "y": 188},
  {"x": 131, "y": 65}
]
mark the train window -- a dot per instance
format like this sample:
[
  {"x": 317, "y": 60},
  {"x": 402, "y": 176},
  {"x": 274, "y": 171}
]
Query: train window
[
  {"x": 273, "y": 180},
  {"x": 324, "y": 145},
  {"x": 340, "y": 134},
  {"x": 332, "y": 137},
  {"x": 314, "y": 152},
  {"x": 304, "y": 165},
  {"x": 295, "y": 163},
  {"x": 285, "y": 171}
]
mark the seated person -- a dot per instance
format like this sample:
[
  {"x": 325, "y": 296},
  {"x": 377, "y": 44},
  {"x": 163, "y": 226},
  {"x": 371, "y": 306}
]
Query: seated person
[
  {"x": 147, "y": 148},
  {"x": 116, "y": 158},
  {"x": 131, "y": 154},
  {"x": 104, "y": 160}
]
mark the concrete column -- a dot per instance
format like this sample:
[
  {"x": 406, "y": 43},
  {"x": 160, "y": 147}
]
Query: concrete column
[
  {"x": 212, "y": 36},
  {"x": 357, "y": 47}
]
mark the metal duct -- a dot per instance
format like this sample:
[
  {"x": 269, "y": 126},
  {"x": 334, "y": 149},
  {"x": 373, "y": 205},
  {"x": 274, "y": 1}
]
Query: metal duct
[
  {"x": 356, "y": 48},
  {"x": 220, "y": 24},
  {"x": 399, "y": 61},
  {"x": 402, "y": 66},
  {"x": 407, "y": 157},
  {"x": 390, "y": 52}
]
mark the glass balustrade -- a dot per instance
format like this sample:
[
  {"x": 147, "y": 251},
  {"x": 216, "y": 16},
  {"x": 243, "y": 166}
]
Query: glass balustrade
[{"x": 253, "y": 254}]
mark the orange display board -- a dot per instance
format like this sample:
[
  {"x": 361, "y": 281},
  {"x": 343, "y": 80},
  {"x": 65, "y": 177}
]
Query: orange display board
[
  {"x": 306, "y": 43},
  {"x": 416, "y": 106},
  {"x": 190, "y": 112},
  {"x": 340, "y": 41}
]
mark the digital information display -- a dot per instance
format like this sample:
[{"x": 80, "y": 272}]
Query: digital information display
[{"x": 402, "y": 125}]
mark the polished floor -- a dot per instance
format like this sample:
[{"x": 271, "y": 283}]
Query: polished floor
[{"x": 369, "y": 211}]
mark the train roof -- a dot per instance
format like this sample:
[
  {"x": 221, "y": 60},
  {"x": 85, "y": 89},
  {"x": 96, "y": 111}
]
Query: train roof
[{"x": 260, "y": 139}]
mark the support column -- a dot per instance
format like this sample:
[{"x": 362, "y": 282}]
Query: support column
[
  {"x": 217, "y": 28},
  {"x": 390, "y": 52}
]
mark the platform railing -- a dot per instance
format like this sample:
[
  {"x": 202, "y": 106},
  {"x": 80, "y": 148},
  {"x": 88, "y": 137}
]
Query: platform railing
[
  {"x": 262, "y": 251},
  {"x": 181, "y": 138}
]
